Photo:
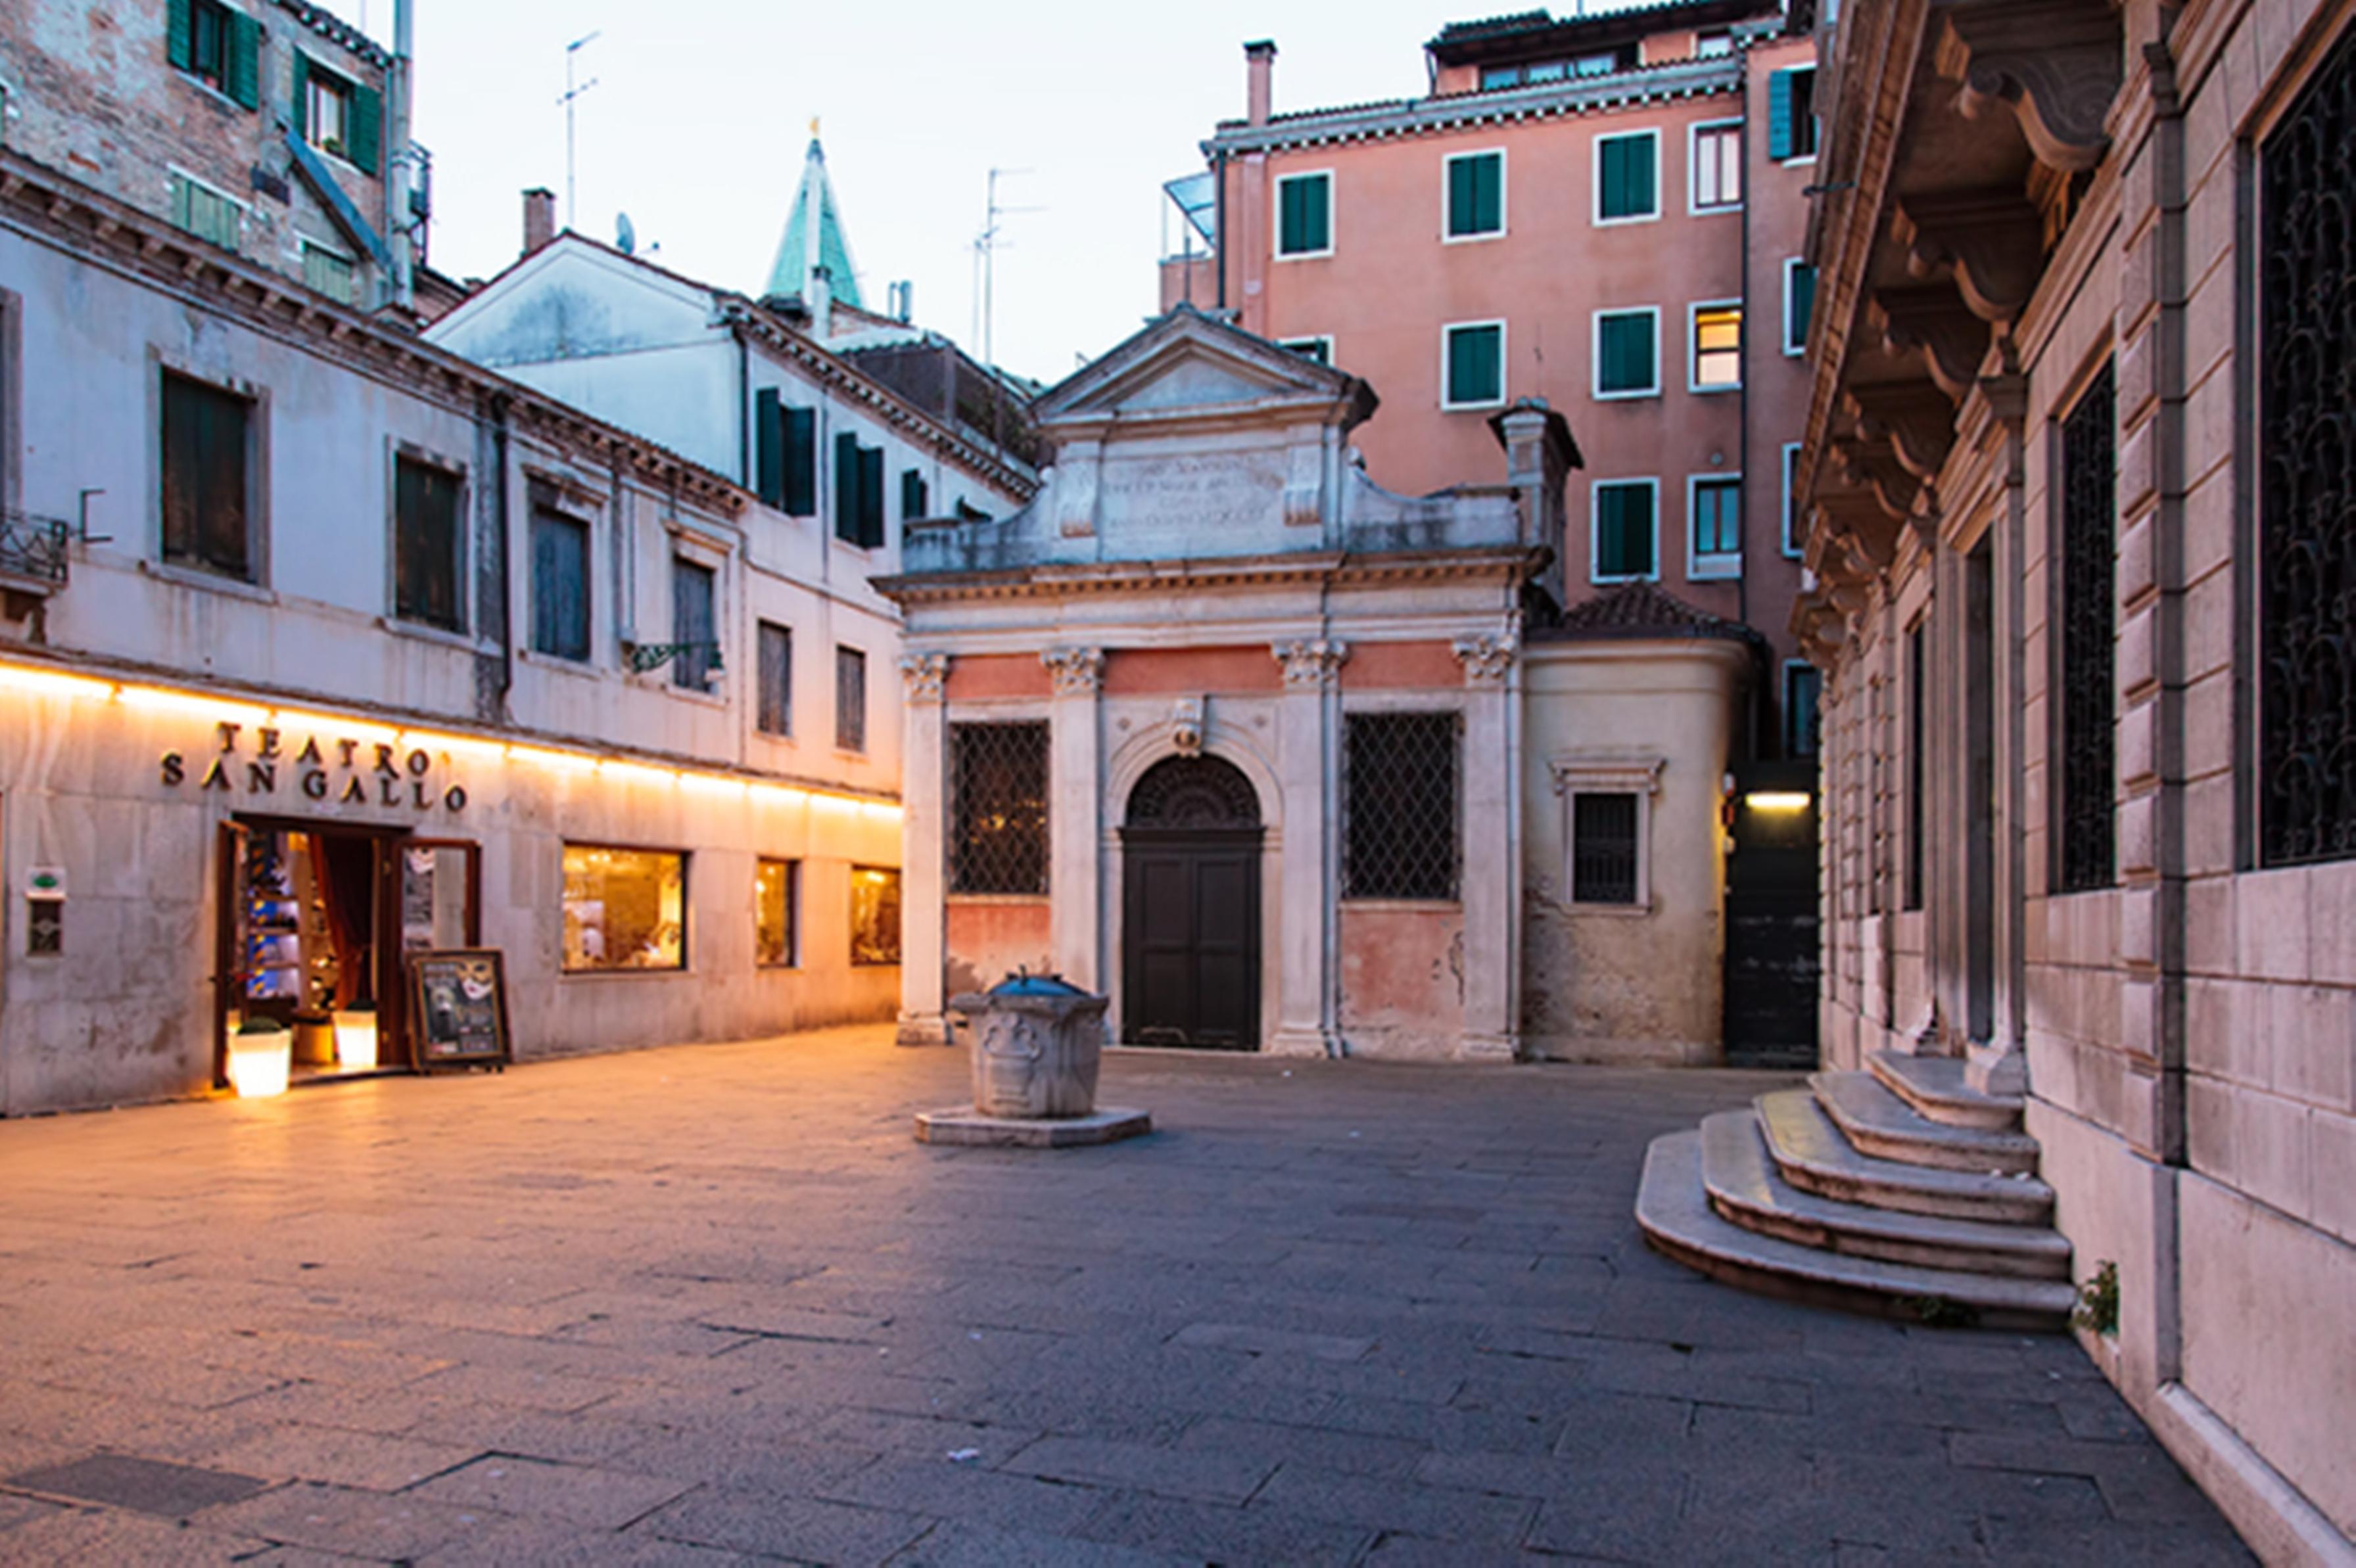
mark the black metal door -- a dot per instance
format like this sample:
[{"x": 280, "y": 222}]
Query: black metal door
[
  {"x": 1190, "y": 907},
  {"x": 1771, "y": 954}
]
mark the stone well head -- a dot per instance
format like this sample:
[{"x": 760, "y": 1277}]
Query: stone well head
[{"x": 1038, "y": 1040}]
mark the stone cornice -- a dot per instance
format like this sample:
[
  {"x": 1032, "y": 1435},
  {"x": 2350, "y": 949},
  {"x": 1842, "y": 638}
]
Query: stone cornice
[
  {"x": 1512, "y": 563},
  {"x": 59, "y": 210}
]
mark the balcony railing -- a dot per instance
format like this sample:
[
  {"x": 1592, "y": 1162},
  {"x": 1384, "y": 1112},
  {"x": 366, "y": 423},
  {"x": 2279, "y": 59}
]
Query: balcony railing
[{"x": 33, "y": 549}]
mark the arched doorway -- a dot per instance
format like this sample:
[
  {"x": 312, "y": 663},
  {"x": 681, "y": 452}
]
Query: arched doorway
[{"x": 1190, "y": 907}]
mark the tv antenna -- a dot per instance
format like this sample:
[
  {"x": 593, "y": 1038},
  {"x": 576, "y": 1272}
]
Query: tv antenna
[
  {"x": 986, "y": 246},
  {"x": 572, "y": 94}
]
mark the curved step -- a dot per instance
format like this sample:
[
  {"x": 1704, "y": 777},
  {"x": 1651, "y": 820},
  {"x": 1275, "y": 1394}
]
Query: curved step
[
  {"x": 1934, "y": 1086},
  {"x": 1878, "y": 1123},
  {"x": 1744, "y": 1188},
  {"x": 1678, "y": 1220},
  {"x": 1812, "y": 1155}
]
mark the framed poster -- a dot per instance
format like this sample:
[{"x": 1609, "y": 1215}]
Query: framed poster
[{"x": 458, "y": 1001}]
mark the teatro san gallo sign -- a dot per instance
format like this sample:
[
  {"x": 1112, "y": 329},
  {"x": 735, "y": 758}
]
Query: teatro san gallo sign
[{"x": 347, "y": 772}]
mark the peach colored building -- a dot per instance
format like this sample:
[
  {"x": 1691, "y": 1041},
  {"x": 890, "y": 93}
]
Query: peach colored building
[
  {"x": 1605, "y": 212},
  {"x": 2078, "y": 495}
]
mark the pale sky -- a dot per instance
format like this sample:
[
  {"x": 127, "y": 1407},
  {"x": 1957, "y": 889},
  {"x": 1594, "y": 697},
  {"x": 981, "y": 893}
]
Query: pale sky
[{"x": 698, "y": 125}]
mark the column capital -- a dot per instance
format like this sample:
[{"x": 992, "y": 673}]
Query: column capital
[
  {"x": 1314, "y": 663},
  {"x": 1078, "y": 672},
  {"x": 1487, "y": 658},
  {"x": 927, "y": 675}
]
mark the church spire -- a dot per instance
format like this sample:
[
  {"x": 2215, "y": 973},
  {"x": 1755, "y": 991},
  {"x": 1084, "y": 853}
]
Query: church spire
[{"x": 814, "y": 237}]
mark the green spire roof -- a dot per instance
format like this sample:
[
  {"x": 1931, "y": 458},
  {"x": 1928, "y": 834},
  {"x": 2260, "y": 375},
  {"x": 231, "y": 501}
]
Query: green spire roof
[{"x": 814, "y": 237}]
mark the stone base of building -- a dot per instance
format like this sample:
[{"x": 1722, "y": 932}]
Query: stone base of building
[
  {"x": 923, "y": 1029},
  {"x": 962, "y": 1124},
  {"x": 1613, "y": 1053}
]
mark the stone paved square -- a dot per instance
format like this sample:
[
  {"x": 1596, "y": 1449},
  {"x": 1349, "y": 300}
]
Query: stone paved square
[{"x": 714, "y": 1304}]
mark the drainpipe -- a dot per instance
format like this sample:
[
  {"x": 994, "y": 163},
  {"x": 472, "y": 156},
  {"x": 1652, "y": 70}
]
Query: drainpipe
[
  {"x": 501, "y": 549},
  {"x": 1743, "y": 414},
  {"x": 398, "y": 172},
  {"x": 743, "y": 407},
  {"x": 1219, "y": 222}
]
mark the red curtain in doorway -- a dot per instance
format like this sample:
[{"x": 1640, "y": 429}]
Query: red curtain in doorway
[{"x": 346, "y": 875}]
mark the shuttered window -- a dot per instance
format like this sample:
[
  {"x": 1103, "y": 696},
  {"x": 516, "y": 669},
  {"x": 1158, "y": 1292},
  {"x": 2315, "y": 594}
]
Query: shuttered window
[
  {"x": 1792, "y": 113},
  {"x": 1304, "y": 209},
  {"x": 850, "y": 699},
  {"x": 559, "y": 585},
  {"x": 336, "y": 115},
  {"x": 326, "y": 273},
  {"x": 774, "y": 711},
  {"x": 1626, "y": 177},
  {"x": 1799, "y": 303},
  {"x": 1475, "y": 365},
  {"x": 1477, "y": 195},
  {"x": 207, "y": 495},
  {"x": 218, "y": 46},
  {"x": 785, "y": 446},
  {"x": 1626, "y": 354},
  {"x": 1716, "y": 520},
  {"x": 915, "y": 496},
  {"x": 425, "y": 541},
  {"x": 1603, "y": 847},
  {"x": 206, "y": 213},
  {"x": 858, "y": 492},
  {"x": 694, "y": 624},
  {"x": 1623, "y": 530}
]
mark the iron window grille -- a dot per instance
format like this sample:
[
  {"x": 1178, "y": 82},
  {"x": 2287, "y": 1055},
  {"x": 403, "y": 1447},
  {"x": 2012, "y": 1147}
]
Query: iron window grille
[
  {"x": 1401, "y": 777},
  {"x": 1603, "y": 847},
  {"x": 2305, "y": 589},
  {"x": 999, "y": 793},
  {"x": 2085, "y": 834},
  {"x": 35, "y": 549}
]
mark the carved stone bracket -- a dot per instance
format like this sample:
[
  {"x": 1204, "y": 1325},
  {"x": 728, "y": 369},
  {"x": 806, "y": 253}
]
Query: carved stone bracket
[
  {"x": 927, "y": 675},
  {"x": 1078, "y": 672},
  {"x": 1488, "y": 660},
  {"x": 1931, "y": 320},
  {"x": 1992, "y": 241},
  {"x": 1916, "y": 419},
  {"x": 1312, "y": 663},
  {"x": 1187, "y": 723},
  {"x": 1871, "y": 464},
  {"x": 2056, "y": 68}
]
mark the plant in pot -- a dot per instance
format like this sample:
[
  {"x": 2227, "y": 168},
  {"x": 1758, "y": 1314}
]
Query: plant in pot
[{"x": 259, "y": 1056}]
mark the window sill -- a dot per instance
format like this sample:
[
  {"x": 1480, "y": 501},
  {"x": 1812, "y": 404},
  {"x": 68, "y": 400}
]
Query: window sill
[
  {"x": 211, "y": 582},
  {"x": 1610, "y": 911},
  {"x": 1715, "y": 568},
  {"x": 1603, "y": 397},
  {"x": 1624, "y": 223},
  {"x": 661, "y": 681},
  {"x": 1719, "y": 210},
  {"x": 777, "y": 968},
  {"x": 774, "y": 737},
  {"x": 560, "y": 664},
  {"x": 214, "y": 95},
  {"x": 986, "y": 900},
  {"x": 673, "y": 973},
  {"x": 874, "y": 964},
  {"x": 1698, "y": 390},
  {"x": 1613, "y": 580},
  {"x": 1304, "y": 255},
  {"x": 1799, "y": 162},
  {"x": 1403, "y": 906},
  {"x": 1479, "y": 408},
  {"x": 845, "y": 753},
  {"x": 1473, "y": 238},
  {"x": 425, "y": 632}
]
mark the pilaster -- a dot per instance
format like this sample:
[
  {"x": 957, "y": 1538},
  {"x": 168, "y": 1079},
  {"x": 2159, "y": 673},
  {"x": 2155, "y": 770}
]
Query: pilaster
[
  {"x": 1075, "y": 818},
  {"x": 1491, "y": 888},
  {"x": 1308, "y": 744},
  {"x": 923, "y": 903}
]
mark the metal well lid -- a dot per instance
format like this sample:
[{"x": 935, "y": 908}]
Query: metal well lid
[{"x": 1022, "y": 983}]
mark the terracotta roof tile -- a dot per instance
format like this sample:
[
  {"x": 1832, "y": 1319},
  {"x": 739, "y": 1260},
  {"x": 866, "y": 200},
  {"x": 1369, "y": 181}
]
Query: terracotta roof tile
[{"x": 1644, "y": 610}]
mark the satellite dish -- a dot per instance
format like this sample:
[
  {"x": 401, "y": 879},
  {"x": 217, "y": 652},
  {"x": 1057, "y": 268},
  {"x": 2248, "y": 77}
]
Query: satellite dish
[{"x": 626, "y": 234}]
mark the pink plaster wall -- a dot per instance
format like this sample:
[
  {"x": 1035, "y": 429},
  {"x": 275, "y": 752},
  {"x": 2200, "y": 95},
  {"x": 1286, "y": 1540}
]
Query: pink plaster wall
[
  {"x": 990, "y": 938},
  {"x": 1395, "y": 667},
  {"x": 1403, "y": 977},
  {"x": 976, "y": 675},
  {"x": 1145, "y": 672}
]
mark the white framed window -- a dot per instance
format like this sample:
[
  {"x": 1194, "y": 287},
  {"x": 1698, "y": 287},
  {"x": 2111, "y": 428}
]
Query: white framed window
[
  {"x": 1713, "y": 46},
  {"x": 1318, "y": 348},
  {"x": 1714, "y": 361},
  {"x": 1804, "y": 687},
  {"x": 1472, "y": 365},
  {"x": 1304, "y": 215},
  {"x": 1624, "y": 531},
  {"x": 1714, "y": 165},
  {"x": 1791, "y": 507},
  {"x": 1473, "y": 195},
  {"x": 1799, "y": 302},
  {"x": 1607, "y": 831},
  {"x": 1627, "y": 353},
  {"x": 1792, "y": 115},
  {"x": 1714, "y": 526},
  {"x": 1627, "y": 175}
]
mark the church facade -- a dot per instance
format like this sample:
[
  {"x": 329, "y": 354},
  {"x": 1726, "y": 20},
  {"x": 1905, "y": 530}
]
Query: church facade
[{"x": 1284, "y": 761}]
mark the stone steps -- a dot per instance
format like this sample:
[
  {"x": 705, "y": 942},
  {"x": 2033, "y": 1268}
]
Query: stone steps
[
  {"x": 1878, "y": 1123},
  {"x": 1813, "y": 1154},
  {"x": 1745, "y": 1189},
  {"x": 1934, "y": 1086},
  {"x": 1673, "y": 1206}
]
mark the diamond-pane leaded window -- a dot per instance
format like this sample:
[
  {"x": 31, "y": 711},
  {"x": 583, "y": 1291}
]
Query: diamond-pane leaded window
[
  {"x": 2307, "y": 490},
  {"x": 1399, "y": 777},
  {"x": 2089, "y": 631},
  {"x": 999, "y": 783}
]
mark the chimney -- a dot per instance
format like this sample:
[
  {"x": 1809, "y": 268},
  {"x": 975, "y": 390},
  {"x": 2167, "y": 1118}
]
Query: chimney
[
  {"x": 1540, "y": 451},
  {"x": 539, "y": 218},
  {"x": 1259, "y": 73}
]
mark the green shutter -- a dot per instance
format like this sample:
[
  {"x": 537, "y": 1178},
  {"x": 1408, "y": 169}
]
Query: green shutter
[
  {"x": 1303, "y": 214},
  {"x": 870, "y": 496},
  {"x": 1288, "y": 217},
  {"x": 1779, "y": 115},
  {"x": 846, "y": 488},
  {"x": 1624, "y": 351},
  {"x": 801, "y": 463},
  {"x": 1623, "y": 530},
  {"x": 1474, "y": 373},
  {"x": 299, "y": 105},
  {"x": 769, "y": 447},
  {"x": 180, "y": 35},
  {"x": 1460, "y": 196},
  {"x": 1476, "y": 194},
  {"x": 914, "y": 500},
  {"x": 367, "y": 128},
  {"x": 1625, "y": 172},
  {"x": 244, "y": 72},
  {"x": 1642, "y": 199},
  {"x": 1804, "y": 305}
]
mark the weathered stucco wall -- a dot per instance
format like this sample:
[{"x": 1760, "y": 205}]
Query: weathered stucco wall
[{"x": 990, "y": 938}]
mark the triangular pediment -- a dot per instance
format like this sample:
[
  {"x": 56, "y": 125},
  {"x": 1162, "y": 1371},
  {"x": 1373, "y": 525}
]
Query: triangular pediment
[{"x": 1190, "y": 363}]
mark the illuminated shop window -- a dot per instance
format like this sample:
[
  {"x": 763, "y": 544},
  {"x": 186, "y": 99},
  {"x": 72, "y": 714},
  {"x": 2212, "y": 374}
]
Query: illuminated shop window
[
  {"x": 874, "y": 916},
  {"x": 776, "y": 912},
  {"x": 623, "y": 909}
]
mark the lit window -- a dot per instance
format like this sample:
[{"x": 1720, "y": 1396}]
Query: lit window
[
  {"x": 1717, "y": 167},
  {"x": 1477, "y": 195},
  {"x": 1623, "y": 546},
  {"x": 1595, "y": 65},
  {"x": 1304, "y": 215},
  {"x": 1475, "y": 367},
  {"x": 1627, "y": 177},
  {"x": 874, "y": 916},
  {"x": 1626, "y": 358},
  {"x": 1552, "y": 70},
  {"x": 776, "y": 905},
  {"x": 1717, "y": 525},
  {"x": 1717, "y": 347},
  {"x": 623, "y": 909},
  {"x": 1498, "y": 76}
]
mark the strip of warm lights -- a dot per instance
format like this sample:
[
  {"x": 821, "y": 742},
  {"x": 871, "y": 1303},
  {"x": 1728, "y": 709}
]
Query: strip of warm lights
[
  {"x": 1778, "y": 800},
  {"x": 228, "y": 710}
]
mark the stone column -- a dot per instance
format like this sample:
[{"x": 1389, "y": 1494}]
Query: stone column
[
  {"x": 1490, "y": 883},
  {"x": 1075, "y": 818},
  {"x": 923, "y": 903},
  {"x": 1308, "y": 912}
]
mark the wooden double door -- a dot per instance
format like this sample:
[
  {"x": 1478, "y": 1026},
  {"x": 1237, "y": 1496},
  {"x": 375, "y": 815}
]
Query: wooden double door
[{"x": 1190, "y": 908}]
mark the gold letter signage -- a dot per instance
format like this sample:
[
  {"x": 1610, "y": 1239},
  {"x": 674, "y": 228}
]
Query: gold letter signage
[{"x": 347, "y": 772}]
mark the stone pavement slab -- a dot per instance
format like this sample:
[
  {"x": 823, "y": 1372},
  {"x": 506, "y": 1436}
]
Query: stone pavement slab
[{"x": 713, "y": 1305}]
